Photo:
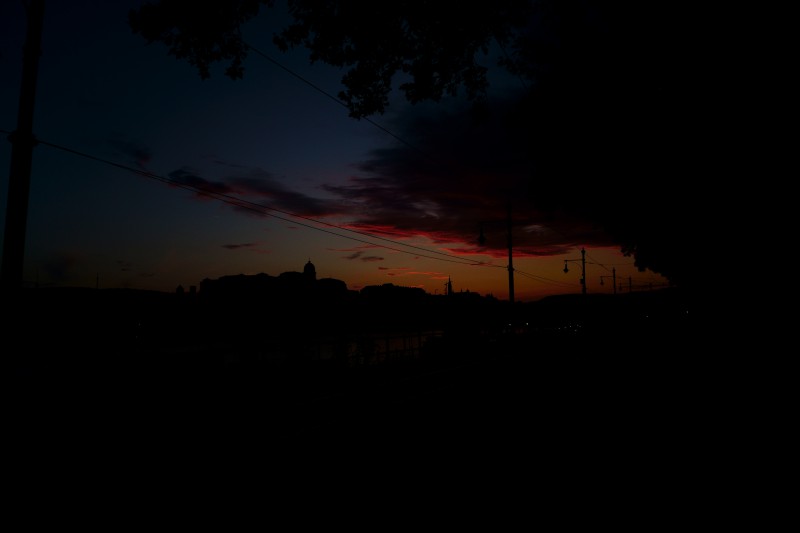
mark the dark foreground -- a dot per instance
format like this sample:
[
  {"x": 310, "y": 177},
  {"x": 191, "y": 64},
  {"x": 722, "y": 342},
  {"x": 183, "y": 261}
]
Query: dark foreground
[
  {"x": 530, "y": 421},
  {"x": 565, "y": 390}
]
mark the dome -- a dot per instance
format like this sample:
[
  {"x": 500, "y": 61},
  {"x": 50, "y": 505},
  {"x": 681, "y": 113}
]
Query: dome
[{"x": 309, "y": 270}]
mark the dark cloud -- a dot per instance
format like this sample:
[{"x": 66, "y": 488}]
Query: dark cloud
[
  {"x": 252, "y": 190},
  {"x": 464, "y": 178},
  {"x": 355, "y": 252},
  {"x": 262, "y": 184},
  {"x": 359, "y": 254}
]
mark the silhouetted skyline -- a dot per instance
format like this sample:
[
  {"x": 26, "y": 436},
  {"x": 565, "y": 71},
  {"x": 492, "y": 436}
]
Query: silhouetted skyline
[{"x": 257, "y": 175}]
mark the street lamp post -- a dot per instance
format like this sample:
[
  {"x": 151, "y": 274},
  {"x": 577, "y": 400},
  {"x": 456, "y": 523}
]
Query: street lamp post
[{"x": 583, "y": 268}]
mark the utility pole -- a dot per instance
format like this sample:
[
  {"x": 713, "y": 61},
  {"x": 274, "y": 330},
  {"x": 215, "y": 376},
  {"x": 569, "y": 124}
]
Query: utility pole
[
  {"x": 583, "y": 268},
  {"x": 613, "y": 277},
  {"x": 482, "y": 241},
  {"x": 22, "y": 141}
]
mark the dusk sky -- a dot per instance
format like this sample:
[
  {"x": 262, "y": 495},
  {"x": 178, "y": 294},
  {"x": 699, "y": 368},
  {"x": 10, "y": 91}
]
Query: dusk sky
[{"x": 396, "y": 198}]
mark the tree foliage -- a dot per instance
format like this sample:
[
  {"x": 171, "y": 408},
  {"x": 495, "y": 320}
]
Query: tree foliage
[
  {"x": 432, "y": 45},
  {"x": 201, "y": 33},
  {"x": 618, "y": 122}
]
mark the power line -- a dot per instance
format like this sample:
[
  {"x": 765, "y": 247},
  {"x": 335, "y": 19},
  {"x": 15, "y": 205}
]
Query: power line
[
  {"x": 542, "y": 278},
  {"x": 262, "y": 209}
]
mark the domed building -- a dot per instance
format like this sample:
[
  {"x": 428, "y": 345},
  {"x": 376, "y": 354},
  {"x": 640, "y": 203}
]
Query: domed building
[{"x": 309, "y": 272}]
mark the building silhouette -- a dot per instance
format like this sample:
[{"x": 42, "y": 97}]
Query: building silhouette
[{"x": 309, "y": 272}]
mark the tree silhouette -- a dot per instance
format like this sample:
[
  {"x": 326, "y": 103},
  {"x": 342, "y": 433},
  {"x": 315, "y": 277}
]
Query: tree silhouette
[
  {"x": 613, "y": 118},
  {"x": 434, "y": 44}
]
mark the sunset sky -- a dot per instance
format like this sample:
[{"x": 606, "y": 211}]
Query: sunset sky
[{"x": 148, "y": 177}]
